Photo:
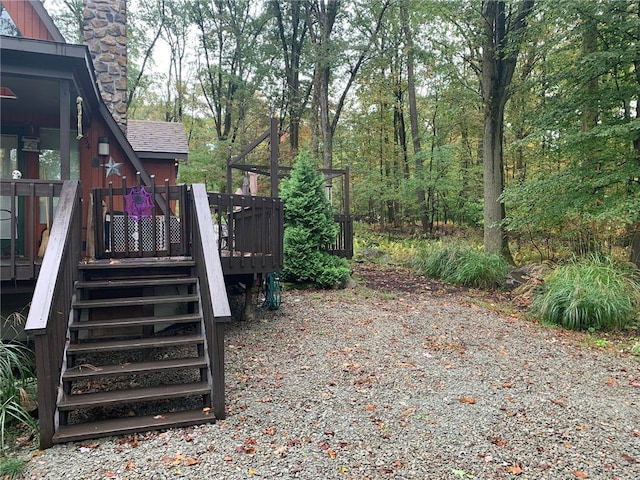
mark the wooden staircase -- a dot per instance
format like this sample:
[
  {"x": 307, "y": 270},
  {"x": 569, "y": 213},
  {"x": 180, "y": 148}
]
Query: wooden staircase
[{"x": 137, "y": 357}]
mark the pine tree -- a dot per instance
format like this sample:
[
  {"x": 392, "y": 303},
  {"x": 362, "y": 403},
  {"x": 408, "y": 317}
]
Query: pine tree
[{"x": 309, "y": 229}]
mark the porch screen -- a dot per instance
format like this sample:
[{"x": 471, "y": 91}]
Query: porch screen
[{"x": 50, "y": 154}]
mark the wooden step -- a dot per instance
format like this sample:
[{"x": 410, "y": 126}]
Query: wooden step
[
  {"x": 134, "y": 344},
  {"x": 131, "y": 283},
  {"x": 133, "y": 301},
  {"x": 85, "y": 371},
  {"x": 135, "y": 321},
  {"x": 125, "y": 426},
  {"x": 144, "y": 262},
  {"x": 147, "y": 394}
]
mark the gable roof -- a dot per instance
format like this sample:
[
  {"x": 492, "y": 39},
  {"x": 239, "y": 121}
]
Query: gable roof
[
  {"x": 158, "y": 140},
  {"x": 25, "y": 57}
]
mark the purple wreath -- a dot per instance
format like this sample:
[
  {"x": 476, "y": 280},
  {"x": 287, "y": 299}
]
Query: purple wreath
[{"x": 138, "y": 203}]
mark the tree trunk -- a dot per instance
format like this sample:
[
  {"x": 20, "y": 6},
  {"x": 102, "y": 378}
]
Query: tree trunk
[
  {"x": 495, "y": 238},
  {"x": 635, "y": 241},
  {"x": 499, "y": 54},
  {"x": 292, "y": 51},
  {"x": 413, "y": 118}
]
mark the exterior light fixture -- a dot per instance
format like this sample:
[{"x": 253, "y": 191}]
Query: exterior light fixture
[
  {"x": 6, "y": 92},
  {"x": 103, "y": 146}
]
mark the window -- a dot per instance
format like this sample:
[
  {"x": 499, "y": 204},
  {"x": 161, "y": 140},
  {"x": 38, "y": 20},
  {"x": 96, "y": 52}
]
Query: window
[
  {"x": 7, "y": 25},
  {"x": 8, "y": 155}
]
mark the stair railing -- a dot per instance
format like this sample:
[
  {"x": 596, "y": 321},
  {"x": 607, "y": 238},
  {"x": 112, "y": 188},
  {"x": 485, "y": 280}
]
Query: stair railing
[
  {"x": 49, "y": 316},
  {"x": 215, "y": 304}
]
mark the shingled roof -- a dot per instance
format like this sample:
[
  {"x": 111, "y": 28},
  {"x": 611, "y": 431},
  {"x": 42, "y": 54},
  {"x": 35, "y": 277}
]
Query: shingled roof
[{"x": 158, "y": 140}]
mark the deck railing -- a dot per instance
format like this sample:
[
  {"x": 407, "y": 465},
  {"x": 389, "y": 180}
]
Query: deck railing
[
  {"x": 141, "y": 221},
  {"x": 250, "y": 231},
  {"x": 25, "y": 206},
  {"x": 343, "y": 246},
  {"x": 51, "y": 306}
]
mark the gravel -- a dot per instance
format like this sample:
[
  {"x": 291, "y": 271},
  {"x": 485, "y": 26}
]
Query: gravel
[{"x": 353, "y": 385}]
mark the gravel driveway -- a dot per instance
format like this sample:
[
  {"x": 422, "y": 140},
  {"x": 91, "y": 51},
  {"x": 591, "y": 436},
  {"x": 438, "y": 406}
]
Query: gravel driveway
[{"x": 356, "y": 385}]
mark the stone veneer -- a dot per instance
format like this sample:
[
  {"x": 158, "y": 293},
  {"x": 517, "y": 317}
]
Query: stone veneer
[{"x": 104, "y": 31}]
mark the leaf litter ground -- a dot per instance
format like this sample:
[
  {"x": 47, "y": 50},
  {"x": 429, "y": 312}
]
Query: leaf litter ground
[{"x": 403, "y": 379}]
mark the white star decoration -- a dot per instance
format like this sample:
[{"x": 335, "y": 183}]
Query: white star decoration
[{"x": 112, "y": 168}]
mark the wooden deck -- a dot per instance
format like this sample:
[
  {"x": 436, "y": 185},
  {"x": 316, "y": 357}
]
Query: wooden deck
[{"x": 116, "y": 277}]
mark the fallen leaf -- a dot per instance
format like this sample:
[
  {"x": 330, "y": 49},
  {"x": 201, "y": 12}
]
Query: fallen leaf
[
  {"x": 228, "y": 458},
  {"x": 629, "y": 458},
  {"x": 560, "y": 403},
  {"x": 130, "y": 466},
  {"x": 468, "y": 400},
  {"x": 580, "y": 474},
  {"x": 612, "y": 382},
  {"x": 515, "y": 470},
  {"x": 269, "y": 431},
  {"x": 497, "y": 441},
  {"x": 250, "y": 441},
  {"x": 192, "y": 461},
  {"x": 370, "y": 408},
  {"x": 90, "y": 446},
  {"x": 331, "y": 453}
]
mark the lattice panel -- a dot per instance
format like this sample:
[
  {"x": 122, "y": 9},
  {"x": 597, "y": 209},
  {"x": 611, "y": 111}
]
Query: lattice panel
[{"x": 142, "y": 231}]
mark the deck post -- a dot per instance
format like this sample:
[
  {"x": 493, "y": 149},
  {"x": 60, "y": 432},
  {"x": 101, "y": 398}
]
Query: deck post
[
  {"x": 275, "y": 153},
  {"x": 65, "y": 131}
]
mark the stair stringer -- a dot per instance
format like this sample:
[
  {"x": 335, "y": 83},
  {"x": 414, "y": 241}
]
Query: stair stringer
[{"x": 73, "y": 314}]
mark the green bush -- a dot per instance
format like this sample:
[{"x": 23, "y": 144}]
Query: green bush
[
  {"x": 589, "y": 293},
  {"x": 309, "y": 230},
  {"x": 17, "y": 389},
  {"x": 464, "y": 266},
  {"x": 11, "y": 467}
]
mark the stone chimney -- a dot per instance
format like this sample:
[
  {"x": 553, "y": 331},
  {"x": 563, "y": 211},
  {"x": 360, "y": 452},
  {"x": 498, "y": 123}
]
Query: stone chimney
[{"x": 105, "y": 33}]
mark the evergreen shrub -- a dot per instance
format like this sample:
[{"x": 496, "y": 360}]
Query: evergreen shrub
[{"x": 309, "y": 228}]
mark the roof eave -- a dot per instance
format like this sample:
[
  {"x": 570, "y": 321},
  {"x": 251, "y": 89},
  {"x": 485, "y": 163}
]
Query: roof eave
[{"x": 149, "y": 155}]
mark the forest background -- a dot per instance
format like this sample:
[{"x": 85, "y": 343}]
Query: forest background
[{"x": 515, "y": 118}]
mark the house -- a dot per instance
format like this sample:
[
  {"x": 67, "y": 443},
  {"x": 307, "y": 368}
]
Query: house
[
  {"x": 108, "y": 251},
  {"x": 124, "y": 271}
]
